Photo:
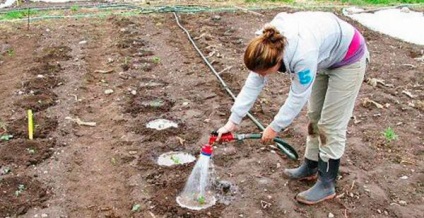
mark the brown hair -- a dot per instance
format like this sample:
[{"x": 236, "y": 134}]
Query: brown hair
[{"x": 266, "y": 50}]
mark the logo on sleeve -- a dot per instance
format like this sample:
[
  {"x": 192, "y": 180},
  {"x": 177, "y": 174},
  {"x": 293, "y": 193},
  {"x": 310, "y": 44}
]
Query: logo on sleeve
[{"x": 305, "y": 77}]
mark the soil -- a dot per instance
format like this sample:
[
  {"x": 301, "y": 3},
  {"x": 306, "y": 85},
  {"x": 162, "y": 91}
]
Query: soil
[{"x": 72, "y": 170}]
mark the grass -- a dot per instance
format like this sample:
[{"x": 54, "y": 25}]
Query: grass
[
  {"x": 18, "y": 14},
  {"x": 381, "y": 2},
  {"x": 352, "y": 2}
]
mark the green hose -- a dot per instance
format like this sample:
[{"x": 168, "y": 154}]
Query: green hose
[{"x": 281, "y": 144}]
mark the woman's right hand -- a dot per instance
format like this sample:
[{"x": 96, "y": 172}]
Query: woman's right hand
[{"x": 228, "y": 127}]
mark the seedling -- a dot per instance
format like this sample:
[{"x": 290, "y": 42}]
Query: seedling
[
  {"x": 136, "y": 208},
  {"x": 74, "y": 8},
  {"x": 201, "y": 200},
  {"x": 175, "y": 159},
  {"x": 5, "y": 137},
  {"x": 31, "y": 150},
  {"x": 390, "y": 134},
  {"x": 10, "y": 52},
  {"x": 5, "y": 171},
  {"x": 21, "y": 188},
  {"x": 156, "y": 60}
]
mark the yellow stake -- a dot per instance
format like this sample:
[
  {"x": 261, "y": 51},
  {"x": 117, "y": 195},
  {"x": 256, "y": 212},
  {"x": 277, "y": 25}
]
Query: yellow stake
[{"x": 30, "y": 125}]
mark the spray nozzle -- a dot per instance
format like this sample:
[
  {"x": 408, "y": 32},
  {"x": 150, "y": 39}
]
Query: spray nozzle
[
  {"x": 207, "y": 150},
  {"x": 226, "y": 137}
]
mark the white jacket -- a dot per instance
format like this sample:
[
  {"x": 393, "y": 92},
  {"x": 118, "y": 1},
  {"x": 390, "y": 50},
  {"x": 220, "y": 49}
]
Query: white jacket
[{"x": 316, "y": 41}]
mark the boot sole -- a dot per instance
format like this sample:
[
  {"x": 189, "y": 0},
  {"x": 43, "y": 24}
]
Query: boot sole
[
  {"x": 308, "y": 178},
  {"x": 314, "y": 202}
]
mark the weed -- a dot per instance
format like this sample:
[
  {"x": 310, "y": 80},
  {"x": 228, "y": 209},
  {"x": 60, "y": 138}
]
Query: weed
[
  {"x": 21, "y": 188},
  {"x": 390, "y": 134}
]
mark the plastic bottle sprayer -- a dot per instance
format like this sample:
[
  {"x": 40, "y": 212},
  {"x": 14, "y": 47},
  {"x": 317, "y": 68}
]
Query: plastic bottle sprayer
[{"x": 198, "y": 193}]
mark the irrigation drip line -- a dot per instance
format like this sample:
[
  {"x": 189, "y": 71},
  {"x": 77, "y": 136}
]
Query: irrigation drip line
[{"x": 289, "y": 153}]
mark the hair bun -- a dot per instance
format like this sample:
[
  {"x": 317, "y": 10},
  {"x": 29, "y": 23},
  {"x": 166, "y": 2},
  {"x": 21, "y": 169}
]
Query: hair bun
[{"x": 271, "y": 34}]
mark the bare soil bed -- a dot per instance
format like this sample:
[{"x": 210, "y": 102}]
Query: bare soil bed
[{"x": 61, "y": 69}]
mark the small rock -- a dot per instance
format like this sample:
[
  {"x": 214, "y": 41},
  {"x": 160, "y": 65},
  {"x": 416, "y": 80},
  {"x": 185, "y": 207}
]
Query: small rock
[
  {"x": 44, "y": 215},
  {"x": 108, "y": 91},
  {"x": 216, "y": 17},
  {"x": 47, "y": 30},
  {"x": 378, "y": 211},
  {"x": 386, "y": 213},
  {"x": 185, "y": 103},
  {"x": 330, "y": 215},
  {"x": 405, "y": 10},
  {"x": 40, "y": 76},
  {"x": 82, "y": 42},
  {"x": 402, "y": 202},
  {"x": 404, "y": 177},
  {"x": 133, "y": 92},
  {"x": 132, "y": 152}
]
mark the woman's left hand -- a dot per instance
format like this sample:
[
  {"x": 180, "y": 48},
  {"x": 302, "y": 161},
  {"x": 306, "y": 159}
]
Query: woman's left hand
[{"x": 268, "y": 135}]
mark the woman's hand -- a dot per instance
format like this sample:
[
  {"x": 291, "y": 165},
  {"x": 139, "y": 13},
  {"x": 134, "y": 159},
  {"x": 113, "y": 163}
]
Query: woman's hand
[
  {"x": 228, "y": 127},
  {"x": 268, "y": 135}
]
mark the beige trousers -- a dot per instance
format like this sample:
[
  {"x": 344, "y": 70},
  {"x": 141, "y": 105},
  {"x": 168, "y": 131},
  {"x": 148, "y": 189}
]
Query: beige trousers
[{"x": 330, "y": 108}]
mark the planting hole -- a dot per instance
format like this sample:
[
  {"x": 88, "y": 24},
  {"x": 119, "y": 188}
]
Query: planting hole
[
  {"x": 161, "y": 124},
  {"x": 197, "y": 202},
  {"x": 175, "y": 158}
]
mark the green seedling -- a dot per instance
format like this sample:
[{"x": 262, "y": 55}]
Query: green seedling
[
  {"x": 136, "y": 208},
  {"x": 156, "y": 103},
  {"x": 156, "y": 60},
  {"x": 10, "y": 52},
  {"x": 5, "y": 137},
  {"x": 31, "y": 150},
  {"x": 21, "y": 188},
  {"x": 113, "y": 161},
  {"x": 175, "y": 159},
  {"x": 5, "y": 171},
  {"x": 74, "y": 8},
  {"x": 390, "y": 134},
  {"x": 201, "y": 200}
]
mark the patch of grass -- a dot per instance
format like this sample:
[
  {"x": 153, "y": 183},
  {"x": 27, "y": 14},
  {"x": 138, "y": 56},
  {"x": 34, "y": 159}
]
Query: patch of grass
[
  {"x": 390, "y": 134},
  {"x": 18, "y": 14},
  {"x": 380, "y": 2},
  {"x": 282, "y": 1}
]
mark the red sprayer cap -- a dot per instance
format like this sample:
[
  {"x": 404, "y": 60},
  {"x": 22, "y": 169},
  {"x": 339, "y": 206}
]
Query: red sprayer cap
[{"x": 207, "y": 150}]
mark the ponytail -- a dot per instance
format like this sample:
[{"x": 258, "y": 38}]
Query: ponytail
[{"x": 266, "y": 50}]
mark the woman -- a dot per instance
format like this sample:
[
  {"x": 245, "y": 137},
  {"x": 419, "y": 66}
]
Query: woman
[{"x": 326, "y": 60}]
